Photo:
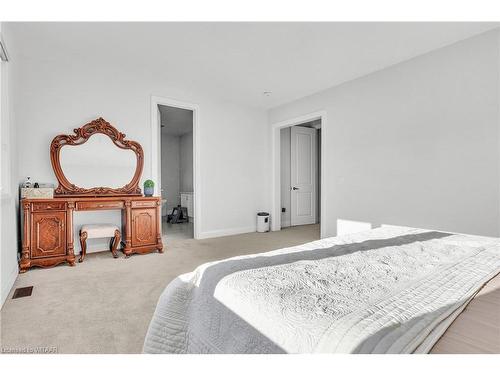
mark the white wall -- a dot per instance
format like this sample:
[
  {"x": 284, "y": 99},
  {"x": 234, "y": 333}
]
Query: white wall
[
  {"x": 186, "y": 162},
  {"x": 62, "y": 95},
  {"x": 8, "y": 204},
  {"x": 416, "y": 144},
  {"x": 170, "y": 170}
]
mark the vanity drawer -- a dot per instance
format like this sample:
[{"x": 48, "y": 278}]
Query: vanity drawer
[
  {"x": 110, "y": 205},
  {"x": 144, "y": 204},
  {"x": 48, "y": 206}
]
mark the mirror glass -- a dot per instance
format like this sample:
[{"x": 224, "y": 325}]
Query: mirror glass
[{"x": 98, "y": 163}]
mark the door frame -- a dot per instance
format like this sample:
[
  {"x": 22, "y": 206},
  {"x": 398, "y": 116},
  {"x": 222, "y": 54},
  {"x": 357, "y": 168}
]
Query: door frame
[
  {"x": 276, "y": 165},
  {"x": 156, "y": 150}
]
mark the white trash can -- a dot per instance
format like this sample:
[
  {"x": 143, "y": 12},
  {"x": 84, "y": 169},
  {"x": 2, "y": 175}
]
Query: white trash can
[{"x": 263, "y": 222}]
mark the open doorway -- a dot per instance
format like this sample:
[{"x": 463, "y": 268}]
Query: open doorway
[
  {"x": 318, "y": 122},
  {"x": 177, "y": 171},
  {"x": 300, "y": 174}
]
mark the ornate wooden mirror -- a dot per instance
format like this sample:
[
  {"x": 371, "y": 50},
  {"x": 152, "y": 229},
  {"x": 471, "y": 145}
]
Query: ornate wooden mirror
[{"x": 103, "y": 164}]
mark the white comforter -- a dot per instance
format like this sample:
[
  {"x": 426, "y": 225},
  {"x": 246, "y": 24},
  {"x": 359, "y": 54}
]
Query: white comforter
[{"x": 388, "y": 290}]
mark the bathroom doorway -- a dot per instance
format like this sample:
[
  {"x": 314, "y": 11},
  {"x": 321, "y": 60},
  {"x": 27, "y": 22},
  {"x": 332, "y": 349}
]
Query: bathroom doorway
[{"x": 177, "y": 172}]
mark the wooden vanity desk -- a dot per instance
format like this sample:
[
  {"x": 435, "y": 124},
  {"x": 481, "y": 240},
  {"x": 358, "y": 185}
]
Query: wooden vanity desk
[
  {"x": 48, "y": 231},
  {"x": 48, "y": 227}
]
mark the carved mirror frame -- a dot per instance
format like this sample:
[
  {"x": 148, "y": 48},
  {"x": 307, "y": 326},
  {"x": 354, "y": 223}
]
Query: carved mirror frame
[{"x": 98, "y": 126}]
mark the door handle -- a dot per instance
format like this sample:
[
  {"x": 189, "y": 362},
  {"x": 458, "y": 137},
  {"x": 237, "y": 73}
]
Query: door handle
[{"x": 295, "y": 188}]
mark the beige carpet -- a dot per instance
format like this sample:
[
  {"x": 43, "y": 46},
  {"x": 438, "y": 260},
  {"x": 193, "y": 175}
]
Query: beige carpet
[{"x": 104, "y": 305}]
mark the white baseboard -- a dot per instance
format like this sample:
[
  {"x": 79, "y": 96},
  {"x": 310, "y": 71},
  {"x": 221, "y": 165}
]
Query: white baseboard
[
  {"x": 285, "y": 224},
  {"x": 7, "y": 286},
  {"x": 226, "y": 232}
]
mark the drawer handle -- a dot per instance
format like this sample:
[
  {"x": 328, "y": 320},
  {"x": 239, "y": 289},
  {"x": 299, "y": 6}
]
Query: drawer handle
[{"x": 101, "y": 205}]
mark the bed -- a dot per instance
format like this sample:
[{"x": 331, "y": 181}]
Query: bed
[{"x": 387, "y": 290}]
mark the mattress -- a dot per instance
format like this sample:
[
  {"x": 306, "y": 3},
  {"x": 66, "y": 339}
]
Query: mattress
[{"x": 387, "y": 290}]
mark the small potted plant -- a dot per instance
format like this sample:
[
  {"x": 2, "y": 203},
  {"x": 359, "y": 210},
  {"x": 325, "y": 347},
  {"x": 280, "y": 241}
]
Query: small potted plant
[{"x": 149, "y": 188}]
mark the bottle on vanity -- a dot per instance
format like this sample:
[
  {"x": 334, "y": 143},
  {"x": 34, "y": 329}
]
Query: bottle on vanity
[{"x": 27, "y": 182}]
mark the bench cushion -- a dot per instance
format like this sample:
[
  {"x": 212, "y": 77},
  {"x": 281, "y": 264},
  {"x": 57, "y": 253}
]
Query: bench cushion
[{"x": 99, "y": 230}]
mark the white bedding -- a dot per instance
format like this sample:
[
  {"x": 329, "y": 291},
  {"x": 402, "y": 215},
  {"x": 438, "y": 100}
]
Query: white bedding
[{"x": 388, "y": 290}]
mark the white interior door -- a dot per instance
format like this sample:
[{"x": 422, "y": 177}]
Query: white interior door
[{"x": 303, "y": 175}]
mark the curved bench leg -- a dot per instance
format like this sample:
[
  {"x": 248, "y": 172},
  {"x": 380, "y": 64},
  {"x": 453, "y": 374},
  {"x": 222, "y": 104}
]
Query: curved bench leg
[
  {"x": 116, "y": 241},
  {"x": 83, "y": 243}
]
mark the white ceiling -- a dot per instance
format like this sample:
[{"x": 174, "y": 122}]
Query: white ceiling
[
  {"x": 175, "y": 121},
  {"x": 239, "y": 61}
]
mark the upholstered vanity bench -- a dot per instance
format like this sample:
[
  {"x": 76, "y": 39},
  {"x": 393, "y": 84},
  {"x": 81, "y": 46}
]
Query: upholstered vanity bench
[
  {"x": 48, "y": 223},
  {"x": 99, "y": 231}
]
